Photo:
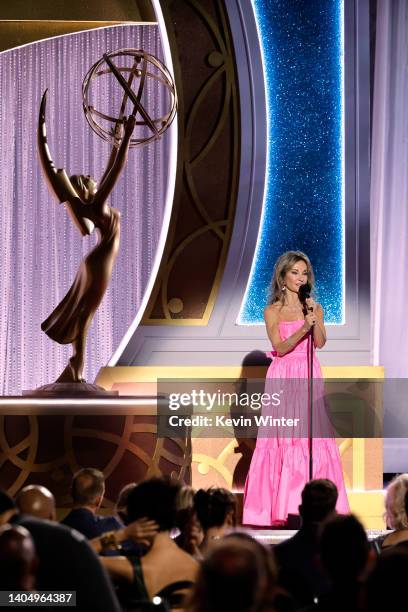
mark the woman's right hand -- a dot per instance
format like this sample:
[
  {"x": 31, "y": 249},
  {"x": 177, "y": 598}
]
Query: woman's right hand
[{"x": 310, "y": 320}]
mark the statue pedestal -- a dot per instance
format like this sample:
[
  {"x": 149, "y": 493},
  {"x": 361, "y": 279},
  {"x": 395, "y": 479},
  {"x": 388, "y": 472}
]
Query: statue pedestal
[{"x": 67, "y": 390}]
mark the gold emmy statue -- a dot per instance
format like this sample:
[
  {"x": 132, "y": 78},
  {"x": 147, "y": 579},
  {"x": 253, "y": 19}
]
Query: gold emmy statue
[{"x": 86, "y": 200}]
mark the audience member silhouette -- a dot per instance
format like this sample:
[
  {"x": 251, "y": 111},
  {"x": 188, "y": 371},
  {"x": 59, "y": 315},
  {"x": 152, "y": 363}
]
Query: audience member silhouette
[
  {"x": 274, "y": 596},
  {"x": 165, "y": 571},
  {"x": 216, "y": 511},
  {"x": 386, "y": 585},
  {"x": 88, "y": 489},
  {"x": 233, "y": 576},
  {"x": 396, "y": 514},
  {"x": 191, "y": 533},
  {"x": 18, "y": 559},
  {"x": 345, "y": 556},
  {"x": 299, "y": 570},
  {"x": 37, "y": 501}
]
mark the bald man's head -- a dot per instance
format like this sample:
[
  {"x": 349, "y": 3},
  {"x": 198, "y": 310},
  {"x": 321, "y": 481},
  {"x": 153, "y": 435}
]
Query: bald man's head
[
  {"x": 37, "y": 501},
  {"x": 18, "y": 559},
  {"x": 88, "y": 487}
]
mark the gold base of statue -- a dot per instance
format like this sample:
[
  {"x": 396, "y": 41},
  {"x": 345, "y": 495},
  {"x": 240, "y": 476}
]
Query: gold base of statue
[{"x": 70, "y": 390}]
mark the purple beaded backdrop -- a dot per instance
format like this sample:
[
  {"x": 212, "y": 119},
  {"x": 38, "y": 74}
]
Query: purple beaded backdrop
[{"x": 40, "y": 248}]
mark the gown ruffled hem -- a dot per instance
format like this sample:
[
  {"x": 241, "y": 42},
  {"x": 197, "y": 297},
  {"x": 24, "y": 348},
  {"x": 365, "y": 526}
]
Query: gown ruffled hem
[{"x": 280, "y": 470}]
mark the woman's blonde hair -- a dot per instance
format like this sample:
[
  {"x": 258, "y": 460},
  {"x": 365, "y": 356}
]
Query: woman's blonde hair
[
  {"x": 185, "y": 497},
  {"x": 395, "y": 502},
  {"x": 285, "y": 262}
]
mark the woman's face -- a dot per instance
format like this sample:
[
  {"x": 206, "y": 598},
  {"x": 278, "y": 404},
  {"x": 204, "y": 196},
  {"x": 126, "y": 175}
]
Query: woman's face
[
  {"x": 195, "y": 531},
  {"x": 296, "y": 275}
]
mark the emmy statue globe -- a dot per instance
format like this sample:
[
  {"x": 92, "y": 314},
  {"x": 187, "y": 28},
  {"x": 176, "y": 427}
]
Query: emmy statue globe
[{"x": 86, "y": 200}]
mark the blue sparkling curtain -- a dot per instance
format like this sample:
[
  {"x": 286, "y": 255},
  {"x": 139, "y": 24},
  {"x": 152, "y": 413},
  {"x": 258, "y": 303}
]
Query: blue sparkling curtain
[{"x": 302, "y": 47}]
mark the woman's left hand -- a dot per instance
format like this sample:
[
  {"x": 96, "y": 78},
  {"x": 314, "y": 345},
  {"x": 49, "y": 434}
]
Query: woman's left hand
[
  {"x": 311, "y": 304},
  {"x": 141, "y": 530}
]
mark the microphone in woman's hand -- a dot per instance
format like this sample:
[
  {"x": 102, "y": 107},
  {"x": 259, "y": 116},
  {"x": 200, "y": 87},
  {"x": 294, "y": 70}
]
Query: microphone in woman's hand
[{"x": 304, "y": 292}]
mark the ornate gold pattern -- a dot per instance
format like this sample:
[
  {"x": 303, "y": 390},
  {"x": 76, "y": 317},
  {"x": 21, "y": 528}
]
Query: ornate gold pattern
[
  {"x": 209, "y": 108},
  {"x": 145, "y": 456}
]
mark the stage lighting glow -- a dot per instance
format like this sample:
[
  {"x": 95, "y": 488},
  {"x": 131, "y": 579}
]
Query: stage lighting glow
[
  {"x": 81, "y": 402},
  {"x": 303, "y": 209},
  {"x": 114, "y": 405}
]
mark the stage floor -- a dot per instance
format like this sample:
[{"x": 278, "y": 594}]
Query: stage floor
[{"x": 276, "y": 536}]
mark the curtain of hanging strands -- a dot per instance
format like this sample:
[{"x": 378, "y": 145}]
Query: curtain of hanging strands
[
  {"x": 389, "y": 191},
  {"x": 40, "y": 248}
]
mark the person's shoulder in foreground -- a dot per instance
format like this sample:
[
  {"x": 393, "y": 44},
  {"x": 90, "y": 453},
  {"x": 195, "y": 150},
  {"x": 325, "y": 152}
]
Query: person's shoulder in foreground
[{"x": 68, "y": 563}]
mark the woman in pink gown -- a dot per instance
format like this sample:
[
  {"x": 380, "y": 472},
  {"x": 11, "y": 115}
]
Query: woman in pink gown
[{"x": 280, "y": 464}]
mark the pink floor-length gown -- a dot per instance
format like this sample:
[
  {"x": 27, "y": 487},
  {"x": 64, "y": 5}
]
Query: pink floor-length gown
[{"x": 280, "y": 464}]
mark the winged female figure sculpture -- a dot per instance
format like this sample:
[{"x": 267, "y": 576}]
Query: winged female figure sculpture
[{"x": 86, "y": 202}]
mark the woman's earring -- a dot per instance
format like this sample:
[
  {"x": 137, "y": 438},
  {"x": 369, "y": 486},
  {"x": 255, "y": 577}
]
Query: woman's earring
[{"x": 283, "y": 288}]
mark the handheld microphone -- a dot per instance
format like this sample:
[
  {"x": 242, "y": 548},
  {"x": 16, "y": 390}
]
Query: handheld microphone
[{"x": 304, "y": 292}]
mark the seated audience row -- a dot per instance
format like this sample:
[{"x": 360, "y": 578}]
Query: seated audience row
[{"x": 170, "y": 547}]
